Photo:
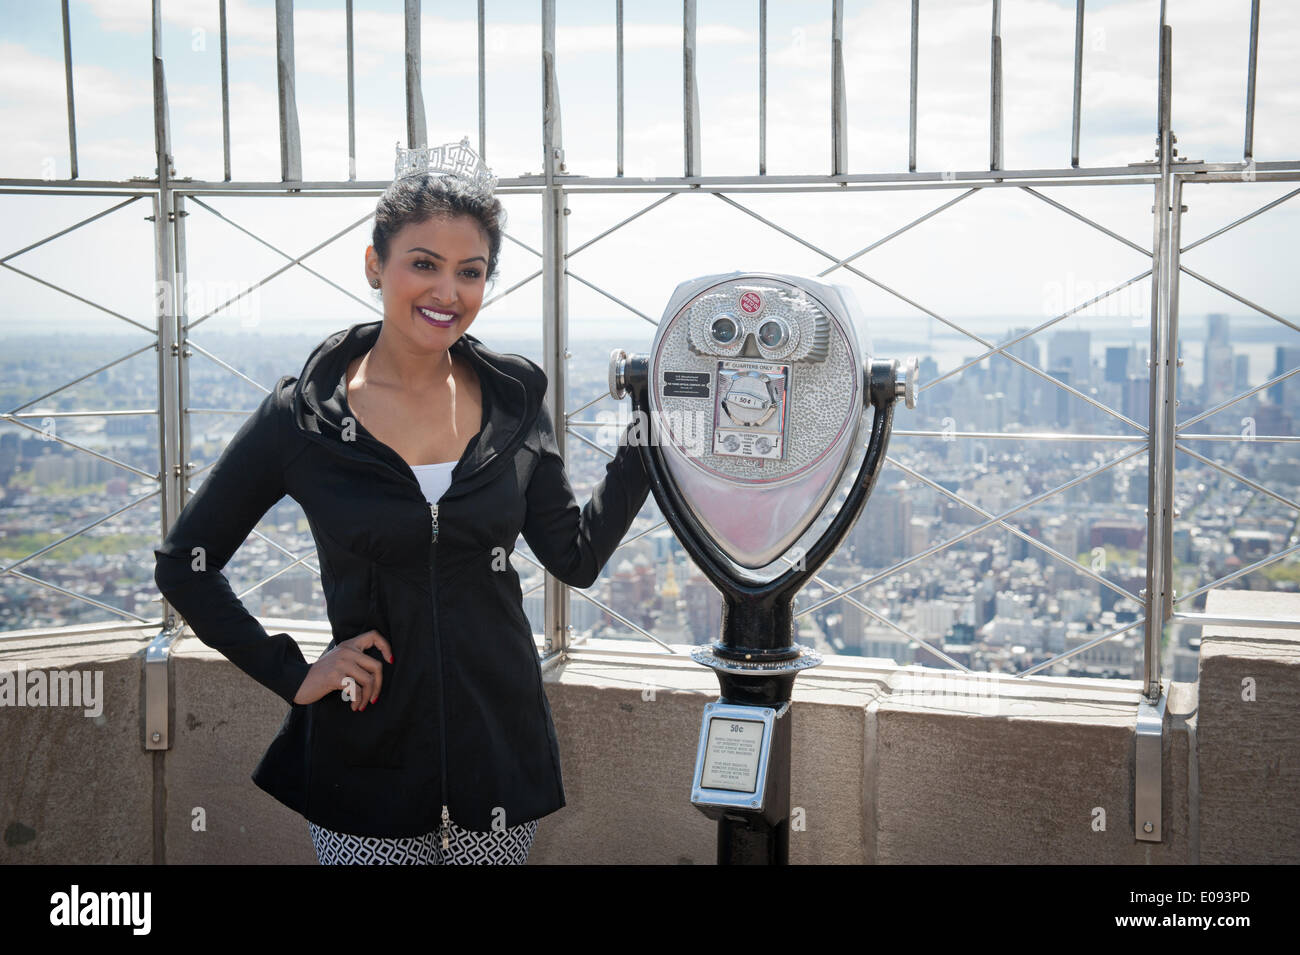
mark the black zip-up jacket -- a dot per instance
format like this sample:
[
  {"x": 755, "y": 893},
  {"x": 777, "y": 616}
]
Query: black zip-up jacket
[{"x": 462, "y": 725}]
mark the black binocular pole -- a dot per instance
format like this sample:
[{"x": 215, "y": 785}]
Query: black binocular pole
[{"x": 756, "y": 658}]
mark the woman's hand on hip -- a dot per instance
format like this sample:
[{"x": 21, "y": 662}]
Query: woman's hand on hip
[{"x": 348, "y": 662}]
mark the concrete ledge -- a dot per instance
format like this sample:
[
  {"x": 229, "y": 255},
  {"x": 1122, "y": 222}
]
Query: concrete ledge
[
  {"x": 1248, "y": 732},
  {"x": 223, "y": 723},
  {"x": 891, "y": 765},
  {"x": 76, "y": 789}
]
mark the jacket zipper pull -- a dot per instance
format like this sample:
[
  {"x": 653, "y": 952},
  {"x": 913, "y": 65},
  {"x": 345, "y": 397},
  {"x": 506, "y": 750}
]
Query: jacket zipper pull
[{"x": 446, "y": 816}]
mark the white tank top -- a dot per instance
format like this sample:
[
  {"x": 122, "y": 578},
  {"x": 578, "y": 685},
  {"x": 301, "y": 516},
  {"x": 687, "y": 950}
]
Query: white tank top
[{"x": 434, "y": 478}]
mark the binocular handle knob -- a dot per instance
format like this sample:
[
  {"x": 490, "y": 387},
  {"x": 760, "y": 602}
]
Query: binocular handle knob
[
  {"x": 905, "y": 385},
  {"x": 617, "y": 367}
]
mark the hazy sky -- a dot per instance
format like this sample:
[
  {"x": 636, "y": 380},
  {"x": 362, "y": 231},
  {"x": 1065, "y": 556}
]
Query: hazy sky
[{"x": 1001, "y": 252}]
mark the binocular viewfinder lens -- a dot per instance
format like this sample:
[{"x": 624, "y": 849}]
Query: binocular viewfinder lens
[
  {"x": 772, "y": 334},
  {"x": 725, "y": 329}
]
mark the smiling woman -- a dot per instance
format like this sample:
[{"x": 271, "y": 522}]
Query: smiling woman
[{"x": 423, "y": 733}]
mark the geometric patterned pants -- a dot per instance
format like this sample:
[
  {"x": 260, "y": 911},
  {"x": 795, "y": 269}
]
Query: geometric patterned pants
[{"x": 465, "y": 847}]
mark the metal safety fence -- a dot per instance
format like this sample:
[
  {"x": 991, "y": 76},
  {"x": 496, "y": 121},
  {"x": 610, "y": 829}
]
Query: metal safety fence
[{"x": 1160, "y": 439}]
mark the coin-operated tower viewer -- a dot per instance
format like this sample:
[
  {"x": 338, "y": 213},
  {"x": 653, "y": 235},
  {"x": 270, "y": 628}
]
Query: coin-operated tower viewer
[{"x": 753, "y": 396}]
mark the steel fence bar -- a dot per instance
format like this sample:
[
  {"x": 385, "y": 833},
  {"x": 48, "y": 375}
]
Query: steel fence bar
[
  {"x": 952, "y": 179},
  {"x": 482, "y": 83},
  {"x": 80, "y": 447},
  {"x": 1071, "y": 562},
  {"x": 1216, "y": 620},
  {"x": 690, "y": 93},
  {"x": 588, "y": 442},
  {"x": 618, "y": 225},
  {"x": 81, "y": 530},
  {"x": 618, "y": 94},
  {"x": 1080, "y": 649},
  {"x": 67, "y": 86},
  {"x": 82, "y": 187},
  {"x": 623, "y": 620},
  {"x": 585, "y": 405},
  {"x": 1248, "y": 150},
  {"x": 1246, "y": 218},
  {"x": 76, "y": 225},
  {"x": 555, "y": 306},
  {"x": 113, "y": 413},
  {"x": 972, "y": 531},
  {"x": 1162, "y": 413},
  {"x": 1223, "y": 469},
  {"x": 1238, "y": 438},
  {"x": 762, "y": 87},
  {"x": 13, "y": 412},
  {"x": 611, "y": 297},
  {"x": 524, "y": 245},
  {"x": 1247, "y": 174},
  {"x": 1078, "y": 83},
  {"x": 191, "y": 343},
  {"x": 95, "y": 629},
  {"x": 79, "y": 298},
  {"x": 817, "y": 578},
  {"x": 90, "y": 600},
  {"x": 520, "y": 283},
  {"x": 897, "y": 232},
  {"x": 282, "y": 570},
  {"x": 1019, "y": 435},
  {"x": 416, "y": 132},
  {"x": 839, "y": 111},
  {"x": 1233, "y": 400},
  {"x": 352, "y": 92},
  {"x": 911, "y": 98},
  {"x": 1082, "y": 218},
  {"x": 534, "y": 185},
  {"x": 1241, "y": 298},
  {"x": 839, "y": 186},
  {"x": 224, "y": 56},
  {"x": 290, "y": 143},
  {"x": 1241, "y": 572},
  {"x": 995, "y": 88}
]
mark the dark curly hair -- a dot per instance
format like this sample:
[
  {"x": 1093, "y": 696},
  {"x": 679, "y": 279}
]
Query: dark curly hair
[{"x": 419, "y": 198}]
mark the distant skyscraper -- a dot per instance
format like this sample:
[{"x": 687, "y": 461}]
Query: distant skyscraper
[
  {"x": 1137, "y": 399},
  {"x": 1021, "y": 387},
  {"x": 1063, "y": 397},
  {"x": 1072, "y": 351},
  {"x": 1117, "y": 364},
  {"x": 1241, "y": 374},
  {"x": 1286, "y": 393},
  {"x": 1216, "y": 381},
  {"x": 928, "y": 369},
  {"x": 880, "y": 535}
]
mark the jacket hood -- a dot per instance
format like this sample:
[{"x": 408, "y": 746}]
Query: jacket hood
[{"x": 512, "y": 386}]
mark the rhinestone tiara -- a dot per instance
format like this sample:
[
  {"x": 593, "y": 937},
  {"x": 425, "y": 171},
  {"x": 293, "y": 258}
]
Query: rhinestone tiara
[{"x": 448, "y": 160}]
